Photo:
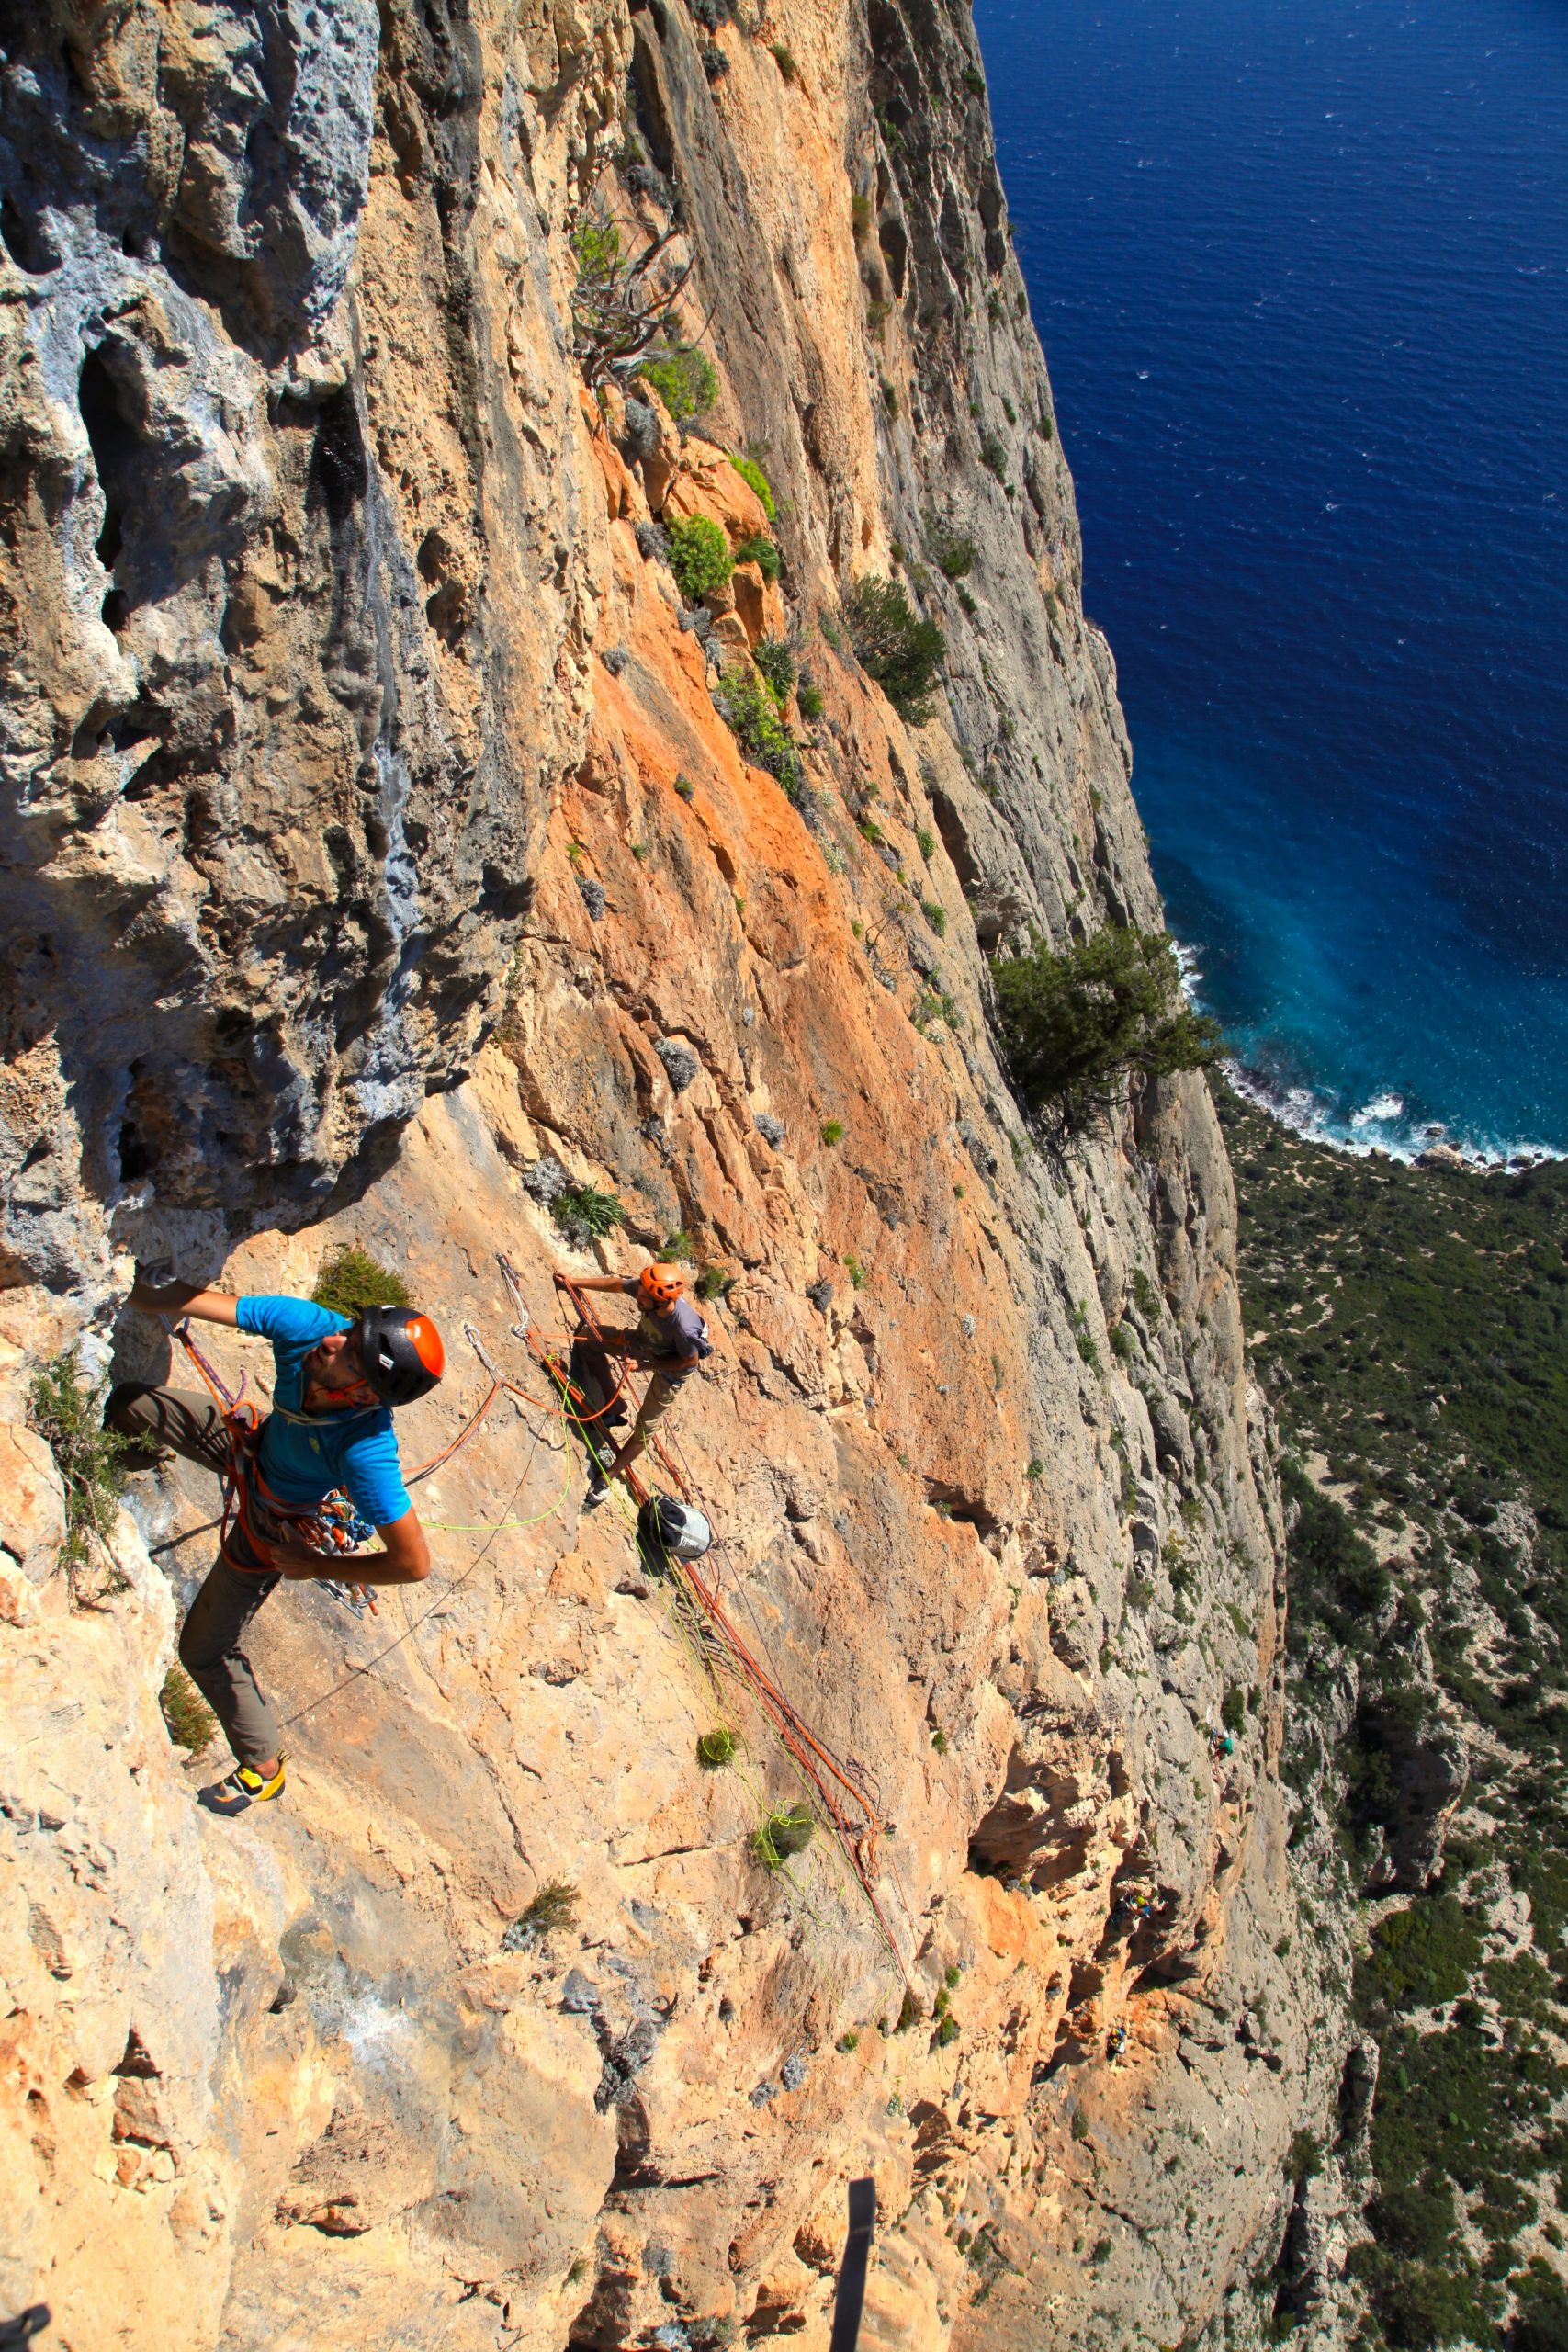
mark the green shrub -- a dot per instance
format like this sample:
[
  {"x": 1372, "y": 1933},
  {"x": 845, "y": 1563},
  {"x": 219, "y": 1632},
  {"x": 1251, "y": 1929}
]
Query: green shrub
[
  {"x": 699, "y": 556},
  {"x": 685, "y": 788},
  {"x": 973, "y": 81},
  {"x": 831, "y": 1131},
  {"x": 681, "y": 1247},
  {"x": 352, "y": 1279},
  {"x": 776, "y": 663},
  {"x": 584, "y": 1214},
  {"x": 947, "y": 2031},
  {"x": 714, "y": 1283},
  {"x": 1233, "y": 1714},
  {"x": 951, "y": 550},
  {"x": 1034, "y": 1468},
  {"x": 68, "y": 1416},
  {"x": 808, "y": 699},
  {"x": 761, "y": 552},
  {"x": 1123, "y": 1344},
  {"x": 751, "y": 474},
  {"x": 1146, "y": 1298},
  {"x": 686, "y": 380},
  {"x": 191, "y": 1722},
  {"x": 859, "y": 216},
  {"x": 994, "y": 457},
  {"x": 783, "y": 58},
  {"x": 848, "y": 2041},
  {"x": 935, "y": 914},
  {"x": 853, "y": 1267},
  {"x": 901, "y": 653},
  {"x": 784, "y": 1831},
  {"x": 1071, "y": 1024},
  {"x": 751, "y": 710},
  {"x": 716, "y": 1748},
  {"x": 925, "y": 842},
  {"x": 1427, "y": 1954},
  {"x": 909, "y": 2011}
]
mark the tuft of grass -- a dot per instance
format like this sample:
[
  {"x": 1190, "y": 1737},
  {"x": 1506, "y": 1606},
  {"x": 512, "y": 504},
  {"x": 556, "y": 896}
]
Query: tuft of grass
[
  {"x": 848, "y": 2041},
  {"x": 761, "y": 552},
  {"x": 935, "y": 914},
  {"x": 68, "y": 1416},
  {"x": 1146, "y": 1298},
  {"x": 939, "y": 1740},
  {"x": 950, "y": 1974},
  {"x": 352, "y": 1279},
  {"x": 831, "y": 1131},
  {"x": 189, "y": 1720},
  {"x": 783, "y": 58},
  {"x": 925, "y": 842},
  {"x": 584, "y": 1214},
  {"x": 751, "y": 474},
  {"x": 784, "y": 1832},
  {"x": 808, "y": 699},
  {"x": 553, "y": 1908},
  {"x": 716, "y": 1748},
  {"x": 681, "y": 1247},
  {"x": 1034, "y": 1468},
  {"x": 714, "y": 1283},
  {"x": 947, "y": 2031},
  {"x": 859, "y": 216},
  {"x": 909, "y": 2011},
  {"x": 684, "y": 788}
]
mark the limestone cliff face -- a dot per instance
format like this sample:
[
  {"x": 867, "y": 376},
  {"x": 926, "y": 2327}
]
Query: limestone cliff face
[{"x": 371, "y": 828}]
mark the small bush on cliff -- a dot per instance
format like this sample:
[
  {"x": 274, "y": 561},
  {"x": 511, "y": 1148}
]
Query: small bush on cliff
[
  {"x": 751, "y": 474},
  {"x": 686, "y": 380},
  {"x": 902, "y": 653},
  {"x": 190, "y": 1721},
  {"x": 761, "y": 552},
  {"x": 351, "y": 1280},
  {"x": 67, "y": 1413},
  {"x": 699, "y": 556},
  {"x": 776, "y": 663},
  {"x": 787, "y": 1830},
  {"x": 749, "y": 709},
  {"x": 1070, "y": 1026},
  {"x": 620, "y": 309},
  {"x": 951, "y": 551}
]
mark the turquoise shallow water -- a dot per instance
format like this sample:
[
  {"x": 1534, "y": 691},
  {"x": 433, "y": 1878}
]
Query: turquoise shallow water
[{"x": 1300, "y": 273}]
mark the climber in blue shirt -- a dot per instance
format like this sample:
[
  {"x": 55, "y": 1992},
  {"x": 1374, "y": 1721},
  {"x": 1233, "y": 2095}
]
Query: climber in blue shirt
[{"x": 330, "y": 1429}]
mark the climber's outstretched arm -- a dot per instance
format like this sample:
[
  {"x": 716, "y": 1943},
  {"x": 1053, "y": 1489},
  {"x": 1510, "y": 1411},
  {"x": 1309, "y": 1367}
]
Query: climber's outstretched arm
[{"x": 184, "y": 1299}]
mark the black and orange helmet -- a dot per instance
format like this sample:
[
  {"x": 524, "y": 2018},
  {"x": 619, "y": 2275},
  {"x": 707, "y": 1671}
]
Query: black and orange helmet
[{"x": 400, "y": 1352}]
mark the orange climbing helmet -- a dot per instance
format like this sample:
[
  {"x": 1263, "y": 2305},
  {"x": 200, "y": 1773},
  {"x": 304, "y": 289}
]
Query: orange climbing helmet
[{"x": 658, "y": 1287}]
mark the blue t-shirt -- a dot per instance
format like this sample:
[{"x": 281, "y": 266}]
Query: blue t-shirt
[{"x": 305, "y": 1455}]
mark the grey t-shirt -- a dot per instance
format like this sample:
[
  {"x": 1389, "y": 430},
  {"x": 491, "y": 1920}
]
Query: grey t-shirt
[{"x": 678, "y": 1331}]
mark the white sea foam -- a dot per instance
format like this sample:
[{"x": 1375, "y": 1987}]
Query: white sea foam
[{"x": 1384, "y": 1124}]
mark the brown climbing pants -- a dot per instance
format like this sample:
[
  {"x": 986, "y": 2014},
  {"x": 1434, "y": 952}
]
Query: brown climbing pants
[{"x": 215, "y": 1624}]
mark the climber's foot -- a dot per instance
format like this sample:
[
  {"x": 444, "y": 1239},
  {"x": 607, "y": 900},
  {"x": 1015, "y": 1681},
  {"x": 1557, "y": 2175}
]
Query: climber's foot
[{"x": 242, "y": 1790}]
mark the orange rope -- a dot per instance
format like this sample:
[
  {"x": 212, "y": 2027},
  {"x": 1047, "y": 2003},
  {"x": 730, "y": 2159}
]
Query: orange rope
[{"x": 814, "y": 1761}]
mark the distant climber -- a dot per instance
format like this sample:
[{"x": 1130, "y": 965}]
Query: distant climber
[
  {"x": 670, "y": 1340},
  {"x": 330, "y": 1428}
]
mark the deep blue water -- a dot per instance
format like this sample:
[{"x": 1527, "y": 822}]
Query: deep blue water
[{"x": 1300, "y": 272}]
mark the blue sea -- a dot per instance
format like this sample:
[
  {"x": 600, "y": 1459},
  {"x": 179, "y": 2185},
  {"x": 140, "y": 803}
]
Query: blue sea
[{"x": 1300, "y": 273}]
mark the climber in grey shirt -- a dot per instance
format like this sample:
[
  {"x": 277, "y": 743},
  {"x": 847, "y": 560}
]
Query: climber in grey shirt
[{"x": 670, "y": 1339}]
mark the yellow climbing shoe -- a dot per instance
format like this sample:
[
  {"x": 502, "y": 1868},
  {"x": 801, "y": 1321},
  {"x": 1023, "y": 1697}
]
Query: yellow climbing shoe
[{"x": 242, "y": 1790}]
